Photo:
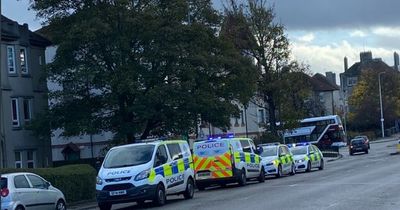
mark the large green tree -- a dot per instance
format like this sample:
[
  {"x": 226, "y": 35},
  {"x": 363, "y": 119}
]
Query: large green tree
[
  {"x": 142, "y": 67},
  {"x": 365, "y": 104},
  {"x": 282, "y": 85}
]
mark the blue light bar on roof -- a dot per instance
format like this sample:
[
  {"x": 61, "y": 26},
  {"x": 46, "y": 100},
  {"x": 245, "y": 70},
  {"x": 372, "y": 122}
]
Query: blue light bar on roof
[{"x": 221, "y": 136}]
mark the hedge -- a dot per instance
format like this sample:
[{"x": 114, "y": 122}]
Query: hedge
[{"x": 77, "y": 182}]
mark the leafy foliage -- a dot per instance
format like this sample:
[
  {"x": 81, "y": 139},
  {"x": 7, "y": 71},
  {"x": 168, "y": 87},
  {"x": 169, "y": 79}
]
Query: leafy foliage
[{"x": 149, "y": 67}]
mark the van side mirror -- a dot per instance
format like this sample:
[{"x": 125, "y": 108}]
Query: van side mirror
[
  {"x": 180, "y": 156},
  {"x": 259, "y": 150}
]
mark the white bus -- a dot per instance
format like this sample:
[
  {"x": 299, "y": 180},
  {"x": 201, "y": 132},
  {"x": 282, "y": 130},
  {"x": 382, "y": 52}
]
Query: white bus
[{"x": 323, "y": 131}]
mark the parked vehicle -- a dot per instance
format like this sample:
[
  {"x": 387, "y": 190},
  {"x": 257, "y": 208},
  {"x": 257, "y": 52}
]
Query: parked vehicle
[
  {"x": 226, "y": 160},
  {"x": 26, "y": 191},
  {"x": 358, "y": 145},
  {"x": 145, "y": 171},
  {"x": 307, "y": 156},
  {"x": 277, "y": 159}
]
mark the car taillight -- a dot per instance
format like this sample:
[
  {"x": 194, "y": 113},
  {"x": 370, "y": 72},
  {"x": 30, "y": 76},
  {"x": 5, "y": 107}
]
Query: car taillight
[{"x": 4, "y": 192}]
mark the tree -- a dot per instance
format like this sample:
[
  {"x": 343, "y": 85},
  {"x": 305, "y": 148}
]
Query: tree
[
  {"x": 140, "y": 68},
  {"x": 365, "y": 99},
  {"x": 281, "y": 83}
]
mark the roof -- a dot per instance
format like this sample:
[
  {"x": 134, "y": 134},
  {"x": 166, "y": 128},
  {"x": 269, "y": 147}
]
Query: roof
[
  {"x": 156, "y": 142},
  {"x": 11, "y": 31},
  {"x": 312, "y": 119},
  {"x": 320, "y": 83},
  {"x": 374, "y": 64}
]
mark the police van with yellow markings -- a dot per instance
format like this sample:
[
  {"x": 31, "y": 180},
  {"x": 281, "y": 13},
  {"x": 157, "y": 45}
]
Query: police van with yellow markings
[
  {"x": 277, "y": 159},
  {"x": 307, "y": 156},
  {"x": 145, "y": 171},
  {"x": 226, "y": 160}
]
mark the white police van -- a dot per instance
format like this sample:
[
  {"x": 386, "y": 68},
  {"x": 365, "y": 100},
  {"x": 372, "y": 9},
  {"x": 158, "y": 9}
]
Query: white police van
[{"x": 145, "y": 171}]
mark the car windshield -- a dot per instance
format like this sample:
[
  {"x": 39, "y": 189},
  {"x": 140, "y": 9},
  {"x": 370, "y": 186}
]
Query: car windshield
[
  {"x": 268, "y": 151},
  {"x": 357, "y": 141},
  {"x": 299, "y": 150},
  {"x": 129, "y": 156}
]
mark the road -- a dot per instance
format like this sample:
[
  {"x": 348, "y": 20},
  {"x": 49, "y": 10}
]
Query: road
[{"x": 364, "y": 181}]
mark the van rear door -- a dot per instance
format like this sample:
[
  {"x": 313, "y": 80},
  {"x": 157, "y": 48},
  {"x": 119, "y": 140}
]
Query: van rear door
[{"x": 212, "y": 159}]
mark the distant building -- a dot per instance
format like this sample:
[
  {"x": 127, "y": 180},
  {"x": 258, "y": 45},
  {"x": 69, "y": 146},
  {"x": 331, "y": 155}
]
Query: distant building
[
  {"x": 325, "y": 92},
  {"x": 23, "y": 95}
]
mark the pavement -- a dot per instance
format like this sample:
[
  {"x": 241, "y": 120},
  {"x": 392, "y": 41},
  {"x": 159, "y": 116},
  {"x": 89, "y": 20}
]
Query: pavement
[{"x": 363, "y": 181}]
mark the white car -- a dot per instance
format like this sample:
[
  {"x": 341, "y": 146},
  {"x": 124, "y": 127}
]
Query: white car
[
  {"x": 28, "y": 191},
  {"x": 307, "y": 156}
]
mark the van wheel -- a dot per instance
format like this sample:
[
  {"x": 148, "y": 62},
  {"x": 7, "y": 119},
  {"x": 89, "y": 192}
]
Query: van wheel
[
  {"x": 104, "y": 206},
  {"x": 279, "y": 174},
  {"x": 60, "y": 205},
  {"x": 293, "y": 171},
  {"x": 321, "y": 165},
  {"x": 19, "y": 208},
  {"x": 261, "y": 177},
  {"x": 159, "y": 198},
  {"x": 242, "y": 178},
  {"x": 308, "y": 166},
  {"x": 189, "y": 192}
]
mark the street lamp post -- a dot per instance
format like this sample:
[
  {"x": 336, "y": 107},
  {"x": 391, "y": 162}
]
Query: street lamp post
[{"x": 380, "y": 99}]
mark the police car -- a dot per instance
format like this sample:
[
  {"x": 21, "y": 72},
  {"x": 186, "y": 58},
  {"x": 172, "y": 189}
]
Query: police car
[
  {"x": 226, "y": 160},
  {"x": 145, "y": 171},
  {"x": 277, "y": 159},
  {"x": 307, "y": 156}
]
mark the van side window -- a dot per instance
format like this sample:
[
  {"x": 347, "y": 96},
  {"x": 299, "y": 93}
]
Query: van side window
[
  {"x": 186, "y": 150},
  {"x": 161, "y": 156},
  {"x": 253, "y": 146},
  {"x": 175, "y": 151},
  {"x": 245, "y": 145}
]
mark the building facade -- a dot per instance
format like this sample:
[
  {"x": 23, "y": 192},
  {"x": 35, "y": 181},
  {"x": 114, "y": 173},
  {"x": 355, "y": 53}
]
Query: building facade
[{"x": 23, "y": 96}]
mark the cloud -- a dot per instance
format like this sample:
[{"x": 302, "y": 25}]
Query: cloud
[
  {"x": 329, "y": 57},
  {"x": 358, "y": 33},
  {"x": 386, "y": 31},
  {"x": 307, "y": 38},
  {"x": 331, "y": 14}
]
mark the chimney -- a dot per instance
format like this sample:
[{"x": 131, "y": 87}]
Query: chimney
[
  {"x": 331, "y": 77},
  {"x": 396, "y": 61},
  {"x": 365, "y": 56},
  {"x": 346, "y": 64}
]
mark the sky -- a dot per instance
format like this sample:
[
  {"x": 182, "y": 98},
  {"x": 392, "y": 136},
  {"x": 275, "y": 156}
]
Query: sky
[{"x": 321, "y": 32}]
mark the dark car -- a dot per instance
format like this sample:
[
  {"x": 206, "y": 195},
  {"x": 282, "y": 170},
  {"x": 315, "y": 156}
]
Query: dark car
[
  {"x": 364, "y": 137},
  {"x": 358, "y": 145}
]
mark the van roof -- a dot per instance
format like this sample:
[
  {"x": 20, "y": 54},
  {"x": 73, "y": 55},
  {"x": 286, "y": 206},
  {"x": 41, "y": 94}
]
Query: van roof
[
  {"x": 221, "y": 139},
  {"x": 155, "y": 143}
]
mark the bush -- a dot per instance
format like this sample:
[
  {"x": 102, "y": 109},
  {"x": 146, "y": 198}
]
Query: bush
[{"x": 77, "y": 182}]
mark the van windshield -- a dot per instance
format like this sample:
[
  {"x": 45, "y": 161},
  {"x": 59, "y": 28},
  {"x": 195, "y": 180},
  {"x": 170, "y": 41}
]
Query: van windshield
[
  {"x": 299, "y": 150},
  {"x": 129, "y": 156}
]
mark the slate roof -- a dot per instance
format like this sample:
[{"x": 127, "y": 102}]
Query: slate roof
[
  {"x": 320, "y": 83},
  {"x": 8, "y": 34},
  {"x": 375, "y": 64}
]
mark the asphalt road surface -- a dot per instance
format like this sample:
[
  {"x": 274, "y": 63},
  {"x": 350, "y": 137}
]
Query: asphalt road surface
[{"x": 363, "y": 181}]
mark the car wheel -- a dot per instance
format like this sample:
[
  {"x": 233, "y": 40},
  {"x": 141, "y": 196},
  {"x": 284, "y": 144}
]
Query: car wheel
[
  {"x": 242, "y": 178},
  {"x": 60, "y": 205},
  {"x": 104, "y": 206},
  {"x": 321, "y": 164},
  {"x": 20, "y": 208},
  {"x": 159, "y": 198},
  {"x": 189, "y": 192},
  {"x": 293, "y": 171},
  {"x": 308, "y": 166},
  {"x": 279, "y": 174},
  {"x": 261, "y": 177}
]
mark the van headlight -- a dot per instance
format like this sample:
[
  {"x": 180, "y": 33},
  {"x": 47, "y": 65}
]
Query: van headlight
[
  {"x": 99, "y": 181},
  {"x": 143, "y": 175}
]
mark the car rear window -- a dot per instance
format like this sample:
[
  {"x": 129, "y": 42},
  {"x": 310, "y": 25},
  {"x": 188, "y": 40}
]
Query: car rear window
[
  {"x": 4, "y": 183},
  {"x": 357, "y": 141}
]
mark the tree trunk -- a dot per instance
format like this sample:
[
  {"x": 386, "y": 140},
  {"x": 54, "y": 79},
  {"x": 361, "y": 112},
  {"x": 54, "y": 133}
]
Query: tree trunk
[{"x": 271, "y": 114}]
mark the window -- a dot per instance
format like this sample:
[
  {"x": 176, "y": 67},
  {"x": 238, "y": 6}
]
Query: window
[
  {"x": 175, "y": 151},
  {"x": 245, "y": 145},
  {"x": 37, "y": 182},
  {"x": 27, "y": 110},
  {"x": 252, "y": 145},
  {"x": 24, "y": 60},
  {"x": 261, "y": 116},
  {"x": 14, "y": 114},
  {"x": 11, "y": 60},
  {"x": 129, "y": 156},
  {"x": 351, "y": 81},
  {"x": 18, "y": 159},
  {"x": 281, "y": 151},
  {"x": 31, "y": 159},
  {"x": 161, "y": 156},
  {"x": 20, "y": 181}
]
